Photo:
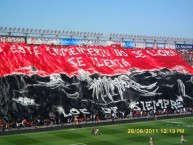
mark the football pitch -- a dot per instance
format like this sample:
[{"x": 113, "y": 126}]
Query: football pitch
[{"x": 164, "y": 132}]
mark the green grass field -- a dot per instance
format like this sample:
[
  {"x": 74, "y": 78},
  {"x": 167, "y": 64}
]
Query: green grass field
[{"x": 166, "y": 132}]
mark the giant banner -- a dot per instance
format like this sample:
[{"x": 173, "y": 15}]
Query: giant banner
[{"x": 72, "y": 80}]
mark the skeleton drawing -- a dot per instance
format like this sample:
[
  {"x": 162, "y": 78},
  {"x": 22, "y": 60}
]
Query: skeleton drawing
[
  {"x": 182, "y": 90},
  {"x": 72, "y": 96},
  {"x": 167, "y": 85},
  {"x": 191, "y": 80},
  {"x": 84, "y": 76},
  {"x": 25, "y": 101},
  {"x": 105, "y": 86},
  {"x": 55, "y": 82}
]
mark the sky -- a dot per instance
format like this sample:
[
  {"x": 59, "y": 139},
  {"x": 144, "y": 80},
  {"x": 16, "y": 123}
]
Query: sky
[{"x": 172, "y": 18}]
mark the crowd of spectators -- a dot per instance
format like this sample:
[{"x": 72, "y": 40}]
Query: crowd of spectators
[
  {"x": 58, "y": 121},
  {"x": 48, "y": 121},
  {"x": 187, "y": 55}
]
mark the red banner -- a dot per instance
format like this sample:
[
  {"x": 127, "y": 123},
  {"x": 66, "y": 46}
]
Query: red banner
[{"x": 45, "y": 60}]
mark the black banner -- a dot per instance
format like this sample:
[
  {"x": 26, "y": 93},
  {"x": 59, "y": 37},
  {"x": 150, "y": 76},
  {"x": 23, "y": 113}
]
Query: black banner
[{"x": 28, "y": 97}]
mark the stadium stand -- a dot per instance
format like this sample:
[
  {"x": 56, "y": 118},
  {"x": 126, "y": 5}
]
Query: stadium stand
[
  {"x": 17, "y": 84},
  {"x": 187, "y": 55}
]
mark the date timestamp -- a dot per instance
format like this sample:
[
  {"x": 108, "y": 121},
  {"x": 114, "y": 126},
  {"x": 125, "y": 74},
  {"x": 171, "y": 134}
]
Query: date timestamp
[{"x": 152, "y": 131}]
